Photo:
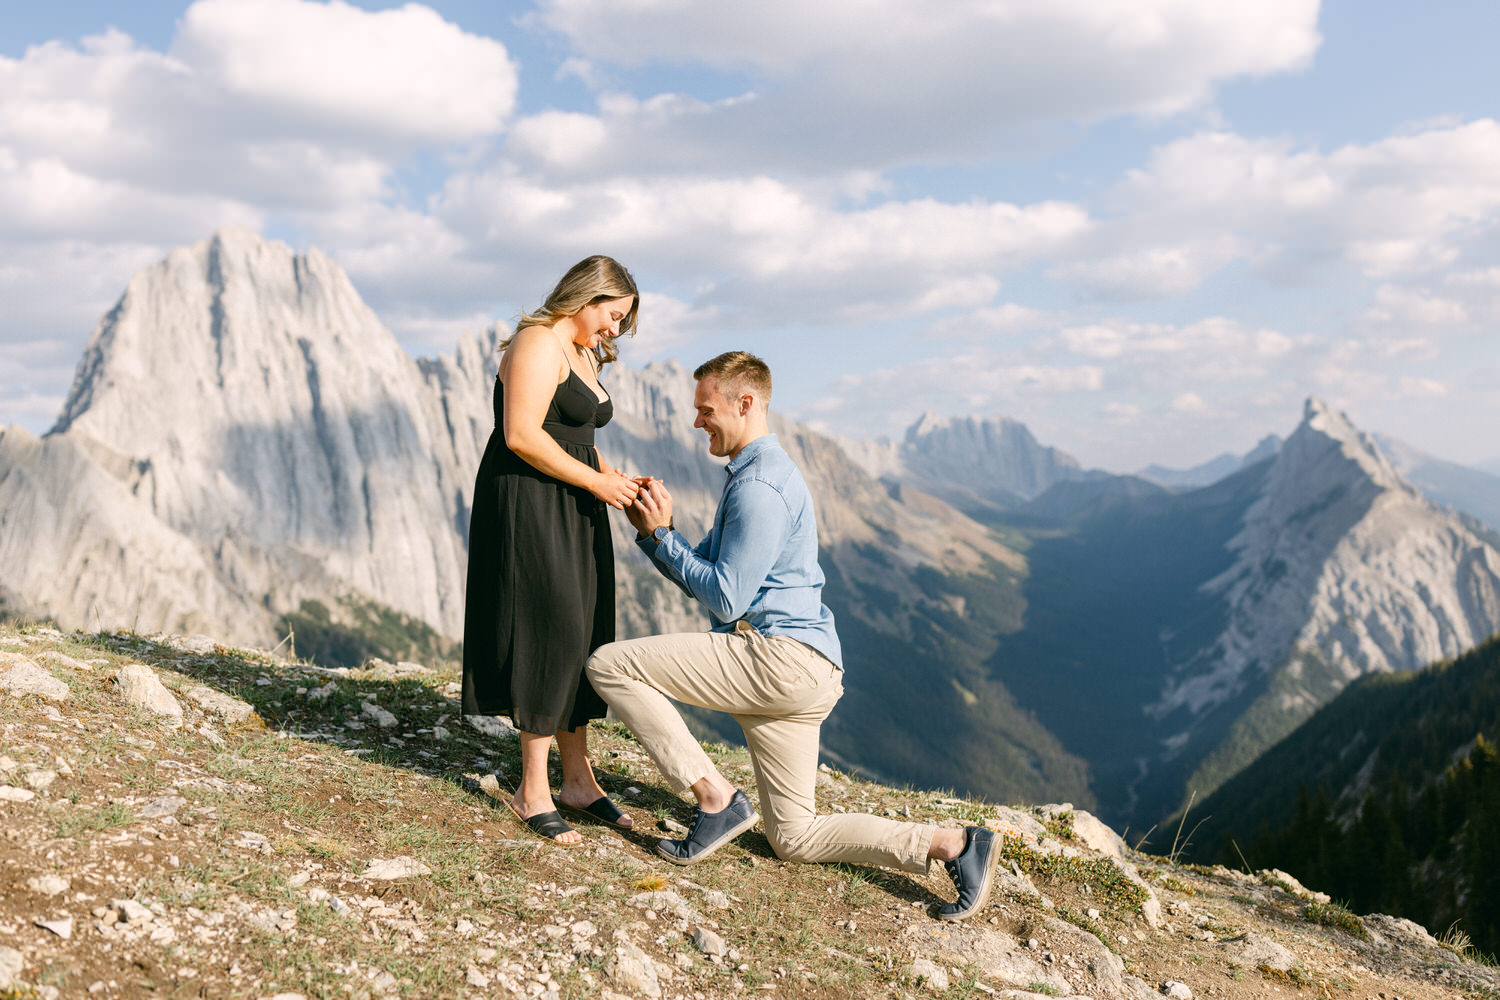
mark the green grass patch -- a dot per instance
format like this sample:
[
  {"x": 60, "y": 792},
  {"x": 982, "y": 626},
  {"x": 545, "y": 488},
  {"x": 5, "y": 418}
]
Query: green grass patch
[
  {"x": 80, "y": 822},
  {"x": 1099, "y": 874},
  {"x": 1335, "y": 915}
]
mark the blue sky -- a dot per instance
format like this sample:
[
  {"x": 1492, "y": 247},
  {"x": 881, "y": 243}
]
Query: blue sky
[{"x": 1147, "y": 229}]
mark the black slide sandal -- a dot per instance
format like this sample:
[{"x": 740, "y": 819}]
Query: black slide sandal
[
  {"x": 548, "y": 824},
  {"x": 602, "y": 809}
]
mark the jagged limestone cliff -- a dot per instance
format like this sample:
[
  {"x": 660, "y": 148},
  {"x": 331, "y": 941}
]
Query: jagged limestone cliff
[{"x": 243, "y": 434}]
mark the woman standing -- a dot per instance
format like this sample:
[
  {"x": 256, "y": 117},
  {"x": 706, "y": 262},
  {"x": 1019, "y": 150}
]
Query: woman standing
[{"x": 541, "y": 579}]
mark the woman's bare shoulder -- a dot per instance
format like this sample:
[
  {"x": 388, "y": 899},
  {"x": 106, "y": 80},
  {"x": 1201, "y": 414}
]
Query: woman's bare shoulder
[{"x": 536, "y": 350}]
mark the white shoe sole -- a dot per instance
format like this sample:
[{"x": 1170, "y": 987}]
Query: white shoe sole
[{"x": 984, "y": 888}]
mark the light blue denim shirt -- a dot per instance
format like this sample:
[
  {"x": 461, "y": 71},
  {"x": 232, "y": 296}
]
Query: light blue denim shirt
[{"x": 759, "y": 561}]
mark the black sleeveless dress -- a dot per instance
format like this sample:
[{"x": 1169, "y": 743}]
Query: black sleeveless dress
[{"x": 541, "y": 587}]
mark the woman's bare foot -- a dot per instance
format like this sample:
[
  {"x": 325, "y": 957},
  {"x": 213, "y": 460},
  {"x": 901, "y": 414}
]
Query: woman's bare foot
[
  {"x": 580, "y": 788},
  {"x": 530, "y": 806}
]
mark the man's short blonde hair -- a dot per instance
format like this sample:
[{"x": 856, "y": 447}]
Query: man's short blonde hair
[{"x": 738, "y": 372}]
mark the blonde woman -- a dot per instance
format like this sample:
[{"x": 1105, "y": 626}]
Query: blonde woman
[{"x": 541, "y": 580}]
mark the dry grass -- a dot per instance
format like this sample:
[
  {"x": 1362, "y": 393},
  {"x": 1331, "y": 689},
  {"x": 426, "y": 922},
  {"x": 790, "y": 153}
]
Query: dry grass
[{"x": 258, "y": 874}]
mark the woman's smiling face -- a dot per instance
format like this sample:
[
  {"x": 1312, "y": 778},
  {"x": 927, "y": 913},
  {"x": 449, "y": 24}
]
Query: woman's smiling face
[{"x": 598, "y": 321}]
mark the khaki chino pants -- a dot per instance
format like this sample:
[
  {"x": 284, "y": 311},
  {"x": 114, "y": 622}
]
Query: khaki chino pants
[{"x": 779, "y": 690}]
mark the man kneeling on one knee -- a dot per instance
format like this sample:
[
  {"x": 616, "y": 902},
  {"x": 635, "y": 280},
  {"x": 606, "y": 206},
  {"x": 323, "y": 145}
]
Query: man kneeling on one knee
[{"x": 772, "y": 659}]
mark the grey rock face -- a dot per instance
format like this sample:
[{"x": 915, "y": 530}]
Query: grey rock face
[
  {"x": 1343, "y": 566},
  {"x": 290, "y": 449},
  {"x": 970, "y": 462}
]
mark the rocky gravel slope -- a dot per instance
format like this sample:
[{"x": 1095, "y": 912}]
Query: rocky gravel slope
[{"x": 181, "y": 819}]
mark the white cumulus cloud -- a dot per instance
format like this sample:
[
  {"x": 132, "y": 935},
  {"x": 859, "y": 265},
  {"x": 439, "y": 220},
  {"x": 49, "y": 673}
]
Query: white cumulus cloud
[
  {"x": 883, "y": 81},
  {"x": 404, "y": 73}
]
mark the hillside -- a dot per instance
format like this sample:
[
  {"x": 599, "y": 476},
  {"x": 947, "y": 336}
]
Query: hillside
[
  {"x": 273, "y": 828},
  {"x": 1397, "y": 777}
]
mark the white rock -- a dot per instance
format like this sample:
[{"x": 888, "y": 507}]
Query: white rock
[
  {"x": 1088, "y": 828},
  {"x": 10, "y": 794},
  {"x": 62, "y": 927},
  {"x": 12, "y": 963},
  {"x": 323, "y": 693},
  {"x": 131, "y": 912},
  {"x": 48, "y": 885},
  {"x": 20, "y": 676},
  {"x": 440, "y": 733},
  {"x": 8, "y": 764},
  {"x": 475, "y": 978},
  {"x": 139, "y": 686},
  {"x": 1176, "y": 990},
  {"x": 166, "y": 805},
  {"x": 394, "y": 868},
  {"x": 200, "y": 645},
  {"x": 491, "y": 725},
  {"x": 1254, "y": 950},
  {"x": 665, "y": 901},
  {"x": 709, "y": 943},
  {"x": 226, "y": 707},
  {"x": 926, "y": 973},
  {"x": 382, "y": 718},
  {"x": 57, "y": 659},
  {"x": 632, "y": 969},
  {"x": 250, "y": 840},
  {"x": 39, "y": 780}
]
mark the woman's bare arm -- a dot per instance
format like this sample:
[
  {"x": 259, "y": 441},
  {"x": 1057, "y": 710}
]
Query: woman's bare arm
[{"x": 533, "y": 369}]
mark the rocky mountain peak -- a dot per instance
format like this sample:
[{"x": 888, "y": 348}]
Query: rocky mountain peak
[
  {"x": 1322, "y": 428},
  {"x": 972, "y": 462},
  {"x": 1342, "y": 562},
  {"x": 251, "y": 405}
]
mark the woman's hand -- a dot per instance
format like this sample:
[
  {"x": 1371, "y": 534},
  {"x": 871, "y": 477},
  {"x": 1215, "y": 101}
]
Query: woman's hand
[{"x": 615, "y": 488}]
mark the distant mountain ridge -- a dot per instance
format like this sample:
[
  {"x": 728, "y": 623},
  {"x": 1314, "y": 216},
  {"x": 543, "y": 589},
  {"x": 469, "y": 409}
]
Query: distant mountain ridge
[
  {"x": 1473, "y": 491},
  {"x": 1214, "y": 469},
  {"x": 1207, "y": 624},
  {"x": 977, "y": 465}
]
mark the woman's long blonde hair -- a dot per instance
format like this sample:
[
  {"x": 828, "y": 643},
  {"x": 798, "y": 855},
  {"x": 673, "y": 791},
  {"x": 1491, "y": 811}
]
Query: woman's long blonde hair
[{"x": 593, "y": 279}]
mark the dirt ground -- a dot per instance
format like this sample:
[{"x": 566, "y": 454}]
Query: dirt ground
[{"x": 340, "y": 834}]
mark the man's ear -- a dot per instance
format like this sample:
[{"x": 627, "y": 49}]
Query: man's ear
[{"x": 747, "y": 402}]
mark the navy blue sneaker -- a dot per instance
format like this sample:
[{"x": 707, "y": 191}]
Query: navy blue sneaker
[
  {"x": 973, "y": 872},
  {"x": 710, "y": 831}
]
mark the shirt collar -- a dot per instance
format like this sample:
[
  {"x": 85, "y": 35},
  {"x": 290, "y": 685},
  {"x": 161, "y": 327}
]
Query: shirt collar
[{"x": 749, "y": 452}]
